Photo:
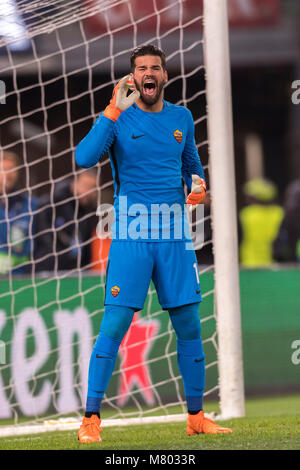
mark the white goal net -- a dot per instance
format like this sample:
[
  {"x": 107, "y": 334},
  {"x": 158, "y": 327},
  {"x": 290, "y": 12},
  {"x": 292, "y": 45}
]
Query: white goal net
[{"x": 59, "y": 61}]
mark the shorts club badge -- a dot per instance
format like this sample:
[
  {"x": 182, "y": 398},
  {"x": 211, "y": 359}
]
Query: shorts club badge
[{"x": 115, "y": 291}]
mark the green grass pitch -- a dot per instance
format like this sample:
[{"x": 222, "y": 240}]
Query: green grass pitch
[{"x": 270, "y": 423}]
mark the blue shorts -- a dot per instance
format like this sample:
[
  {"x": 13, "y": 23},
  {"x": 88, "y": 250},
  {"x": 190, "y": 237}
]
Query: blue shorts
[{"x": 131, "y": 266}]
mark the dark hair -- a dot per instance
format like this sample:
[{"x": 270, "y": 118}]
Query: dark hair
[{"x": 147, "y": 49}]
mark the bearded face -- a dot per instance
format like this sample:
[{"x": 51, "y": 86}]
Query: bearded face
[
  {"x": 150, "y": 89},
  {"x": 149, "y": 78}
]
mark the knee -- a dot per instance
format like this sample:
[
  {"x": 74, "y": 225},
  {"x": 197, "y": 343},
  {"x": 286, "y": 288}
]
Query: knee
[
  {"x": 116, "y": 321},
  {"x": 191, "y": 348},
  {"x": 106, "y": 346},
  {"x": 186, "y": 322}
]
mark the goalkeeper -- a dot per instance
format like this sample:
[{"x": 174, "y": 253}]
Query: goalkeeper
[{"x": 151, "y": 145}]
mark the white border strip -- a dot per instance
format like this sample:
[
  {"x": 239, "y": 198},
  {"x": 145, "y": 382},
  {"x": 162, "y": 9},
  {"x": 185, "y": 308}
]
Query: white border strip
[{"x": 72, "y": 424}]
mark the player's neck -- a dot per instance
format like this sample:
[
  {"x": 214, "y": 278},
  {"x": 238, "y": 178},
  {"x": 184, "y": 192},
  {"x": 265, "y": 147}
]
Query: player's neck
[{"x": 154, "y": 108}]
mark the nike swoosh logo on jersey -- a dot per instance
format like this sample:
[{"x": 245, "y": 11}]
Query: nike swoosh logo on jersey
[{"x": 137, "y": 136}]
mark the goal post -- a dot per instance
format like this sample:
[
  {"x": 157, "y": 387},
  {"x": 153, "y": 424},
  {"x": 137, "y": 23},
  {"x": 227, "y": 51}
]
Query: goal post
[
  {"x": 49, "y": 319},
  {"x": 223, "y": 196}
]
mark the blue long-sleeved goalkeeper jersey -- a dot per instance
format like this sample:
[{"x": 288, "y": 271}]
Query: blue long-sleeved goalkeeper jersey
[{"x": 149, "y": 152}]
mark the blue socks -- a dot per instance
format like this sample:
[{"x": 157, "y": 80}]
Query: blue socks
[
  {"x": 190, "y": 354},
  {"x": 191, "y": 365},
  {"x": 114, "y": 325},
  {"x": 102, "y": 364}
]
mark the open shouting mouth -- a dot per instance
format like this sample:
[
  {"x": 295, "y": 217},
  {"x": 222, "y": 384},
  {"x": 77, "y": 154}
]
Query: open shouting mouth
[{"x": 150, "y": 87}]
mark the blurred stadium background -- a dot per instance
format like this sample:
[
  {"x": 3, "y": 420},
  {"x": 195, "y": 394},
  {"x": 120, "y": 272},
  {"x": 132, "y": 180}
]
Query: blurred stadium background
[{"x": 265, "y": 63}]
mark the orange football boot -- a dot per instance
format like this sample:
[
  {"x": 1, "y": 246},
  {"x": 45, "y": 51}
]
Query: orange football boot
[
  {"x": 89, "y": 430},
  {"x": 200, "y": 424}
]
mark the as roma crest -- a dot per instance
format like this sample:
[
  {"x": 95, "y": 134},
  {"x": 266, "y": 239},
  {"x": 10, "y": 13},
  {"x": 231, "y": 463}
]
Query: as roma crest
[
  {"x": 115, "y": 291},
  {"x": 178, "y": 135}
]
